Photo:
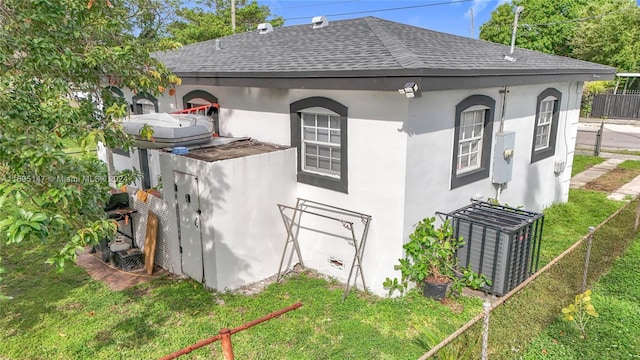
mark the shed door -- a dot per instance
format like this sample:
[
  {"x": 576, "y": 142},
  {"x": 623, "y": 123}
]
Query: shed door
[{"x": 189, "y": 225}]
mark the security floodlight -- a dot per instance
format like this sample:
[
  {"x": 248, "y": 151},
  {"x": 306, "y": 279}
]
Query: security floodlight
[{"x": 409, "y": 89}]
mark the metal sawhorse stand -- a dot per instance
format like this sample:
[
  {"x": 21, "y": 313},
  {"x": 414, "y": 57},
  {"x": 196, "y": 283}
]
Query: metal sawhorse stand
[{"x": 302, "y": 207}]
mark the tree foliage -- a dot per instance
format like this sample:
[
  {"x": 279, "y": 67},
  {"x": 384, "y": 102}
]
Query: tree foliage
[
  {"x": 613, "y": 38},
  {"x": 213, "y": 20},
  {"x": 544, "y": 25},
  {"x": 602, "y": 31},
  {"x": 56, "y": 56}
]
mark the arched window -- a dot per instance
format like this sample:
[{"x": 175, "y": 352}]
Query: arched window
[
  {"x": 197, "y": 98},
  {"x": 144, "y": 103},
  {"x": 319, "y": 131},
  {"x": 546, "y": 126},
  {"x": 472, "y": 140}
]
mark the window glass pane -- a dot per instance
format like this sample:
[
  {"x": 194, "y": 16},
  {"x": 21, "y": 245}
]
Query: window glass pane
[
  {"x": 324, "y": 151},
  {"x": 309, "y": 133},
  {"x": 335, "y": 153},
  {"x": 312, "y": 149},
  {"x": 335, "y": 137},
  {"x": 464, "y": 148},
  {"x": 324, "y": 164},
  {"x": 309, "y": 119},
  {"x": 335, "y": 122},
  {"x": 323, "y": 120},
  {"x": 473, "y": 159},
  {"x": 463, "y": 162},
  {"x": 478, "y": 130},
  {"x": 310, "y": 162},
  {"x": 323, "y": 135},
  {"x": 474, "y": 146},
  {"x": 335, "y": 165}
]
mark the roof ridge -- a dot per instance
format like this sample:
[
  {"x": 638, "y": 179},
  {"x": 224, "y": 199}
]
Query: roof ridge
[{"x": 400, "y": 53}]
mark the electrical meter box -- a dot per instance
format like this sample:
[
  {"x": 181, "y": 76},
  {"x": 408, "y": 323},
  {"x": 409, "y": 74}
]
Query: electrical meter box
[{"x": 503, "y": 157}]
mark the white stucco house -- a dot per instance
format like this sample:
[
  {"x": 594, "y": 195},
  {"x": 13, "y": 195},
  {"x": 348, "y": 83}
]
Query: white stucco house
[{"x": 470, "y": 124}]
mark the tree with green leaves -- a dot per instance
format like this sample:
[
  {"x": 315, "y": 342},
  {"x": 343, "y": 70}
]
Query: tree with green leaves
[
  {"x": 56, "y": 58},
  {"x": 544, "y": 25},
  {"x": 212, "y": 20},
  {"x": 610, "y": 35}
]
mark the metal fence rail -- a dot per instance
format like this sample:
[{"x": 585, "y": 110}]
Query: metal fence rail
[{"x": 225, "y": 335}]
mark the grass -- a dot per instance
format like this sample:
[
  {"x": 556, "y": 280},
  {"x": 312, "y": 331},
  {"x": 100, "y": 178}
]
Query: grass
[
  {"x": 72, "y": 147},
  {"x": 623, "y": 152},
  {"x": 527, "y": 314},
  {"x": 566, "y": 223},
  {"x": 583, "y": 162},
  {"x": 613, "y": 335},
  {"x": 71, "y": 316}
]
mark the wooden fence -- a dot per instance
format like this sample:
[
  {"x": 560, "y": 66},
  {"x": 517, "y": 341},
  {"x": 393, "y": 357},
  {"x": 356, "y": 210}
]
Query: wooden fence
[{"x": 616, "y": 106}]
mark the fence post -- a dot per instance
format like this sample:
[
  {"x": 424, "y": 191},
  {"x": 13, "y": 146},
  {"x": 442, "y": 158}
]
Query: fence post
[
  {"x": 598, "y": 147},
  {"x": 227, "y": 348},
  {"x": 586, "y": 259},
  {"x": 485, "y": 329}
]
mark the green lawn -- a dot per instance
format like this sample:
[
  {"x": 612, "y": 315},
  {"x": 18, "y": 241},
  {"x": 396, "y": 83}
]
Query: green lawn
[
  {"x": 614, "y": 334},
  {"x": 527, "y": 314},
  {"x": 70, "y": 316},
  {"x": 583, "y": 162}
]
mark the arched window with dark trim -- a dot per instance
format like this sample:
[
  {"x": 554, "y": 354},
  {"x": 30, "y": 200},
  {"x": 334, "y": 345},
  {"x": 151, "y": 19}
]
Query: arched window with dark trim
[
  {"x": 197, "y": 98},
  {"x": 144, "y": 103},
  {"x": 472, "y": 140},
  {"x": 115, "y": 90},
  {"x": 319, "y": 131},
  {"x": 546, "y": 127}
]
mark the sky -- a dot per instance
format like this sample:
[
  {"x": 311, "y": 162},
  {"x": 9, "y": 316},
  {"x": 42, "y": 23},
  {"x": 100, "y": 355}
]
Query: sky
[{"x": 449, "y": 16}]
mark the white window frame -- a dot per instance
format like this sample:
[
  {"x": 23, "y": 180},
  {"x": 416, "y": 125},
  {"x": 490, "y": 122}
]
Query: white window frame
[
  {"x": 544, "y": 123},
  {"x": 471, "y": 135},
  {"x": 332, "y": 143}
]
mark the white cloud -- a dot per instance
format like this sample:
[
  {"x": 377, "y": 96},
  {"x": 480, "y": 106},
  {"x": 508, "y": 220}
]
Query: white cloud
[{"x": 480, "y": 5}]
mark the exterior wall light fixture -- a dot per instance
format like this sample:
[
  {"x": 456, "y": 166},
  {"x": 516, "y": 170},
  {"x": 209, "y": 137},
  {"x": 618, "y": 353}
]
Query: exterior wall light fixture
[{"x": 409, "y": 89}]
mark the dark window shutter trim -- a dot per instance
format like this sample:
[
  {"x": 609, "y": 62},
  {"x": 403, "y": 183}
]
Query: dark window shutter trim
[
  {"x": 553, "y": 134},
  {"x": 326, "y": 182},
  {"x": 487, "y": 137}
]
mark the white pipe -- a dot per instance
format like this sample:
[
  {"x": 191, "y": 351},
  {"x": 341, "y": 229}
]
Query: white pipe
[{"x": 515, "y": 28}]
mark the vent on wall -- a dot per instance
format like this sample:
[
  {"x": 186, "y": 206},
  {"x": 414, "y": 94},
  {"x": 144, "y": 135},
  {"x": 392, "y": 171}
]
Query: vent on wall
[
  {"x": 319, "y": 22},
  {"x": 265, "y": 28}
]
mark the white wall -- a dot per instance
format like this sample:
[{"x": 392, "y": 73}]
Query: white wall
[
  {"x": 400, "y": 154},
  {"x": 376, "y": 151},
  {"x": 431, "y": 139},
  {"x": 241, "y": 228}
]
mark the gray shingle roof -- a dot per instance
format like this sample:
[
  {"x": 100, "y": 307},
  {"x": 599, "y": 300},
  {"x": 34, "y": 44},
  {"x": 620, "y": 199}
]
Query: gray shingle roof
[{"x": 361, "y": 47}]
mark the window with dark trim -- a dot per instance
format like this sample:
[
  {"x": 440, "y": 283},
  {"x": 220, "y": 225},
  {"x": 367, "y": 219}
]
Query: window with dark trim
[
  {"x": 201, "y": 94},
  {"x": 144, "y": 103},
  {"x": 319, "y": 131},
  {"x": 545, "y": 130},
  {"x": 473, "y": 134}
]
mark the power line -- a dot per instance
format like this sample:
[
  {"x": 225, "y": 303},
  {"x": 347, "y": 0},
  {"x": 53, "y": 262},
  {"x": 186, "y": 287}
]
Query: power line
[
  {"x": 527, "y": 25},
  {"x": 388, "y": 9}
]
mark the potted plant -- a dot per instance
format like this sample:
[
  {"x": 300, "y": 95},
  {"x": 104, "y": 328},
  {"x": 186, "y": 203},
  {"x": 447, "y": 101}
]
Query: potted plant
[{"x": 431, "y": 263}]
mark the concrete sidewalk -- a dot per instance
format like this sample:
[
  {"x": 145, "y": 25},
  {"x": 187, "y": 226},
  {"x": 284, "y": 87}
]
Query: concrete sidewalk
[
  {"x": 627, "y": 191},
  {"x": 594, "y": 172}
]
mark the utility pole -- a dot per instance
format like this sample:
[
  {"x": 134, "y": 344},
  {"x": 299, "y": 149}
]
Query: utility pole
[
  {"x": 233, "y": 16},
  {"x": 473, "y": 27}
]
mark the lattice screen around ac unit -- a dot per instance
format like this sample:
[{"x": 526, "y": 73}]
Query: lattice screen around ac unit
[{"x": 159, "y": 207}]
